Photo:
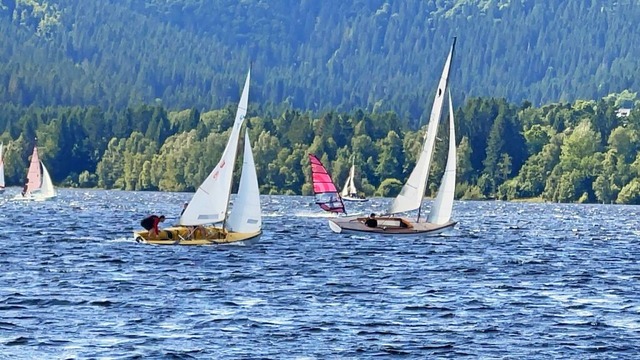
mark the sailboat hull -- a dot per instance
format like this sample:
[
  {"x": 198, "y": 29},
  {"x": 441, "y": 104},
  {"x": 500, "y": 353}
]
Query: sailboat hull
[
  {"x": 183, "y": 235},
  {"x": 354, "y": 199},
  {"x": 388, "y": 226},
  {"x": 32, "y": 197}
]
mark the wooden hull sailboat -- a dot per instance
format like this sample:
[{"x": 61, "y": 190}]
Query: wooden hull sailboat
[
  {"x": 206, "y": 220},
  {"x": 412, "y": 193},
  {"x": 39, "y": 186},
  {"x": 388, "y": 226}
]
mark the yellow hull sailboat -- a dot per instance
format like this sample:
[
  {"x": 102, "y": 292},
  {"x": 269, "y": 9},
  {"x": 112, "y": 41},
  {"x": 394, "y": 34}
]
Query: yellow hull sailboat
[{"x": 206, "y": 219}]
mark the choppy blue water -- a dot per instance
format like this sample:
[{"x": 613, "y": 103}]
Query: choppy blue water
[{"x": 511, "y": 281}]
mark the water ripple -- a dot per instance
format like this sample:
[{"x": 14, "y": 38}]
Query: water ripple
[{"x": 511, "y": 281}]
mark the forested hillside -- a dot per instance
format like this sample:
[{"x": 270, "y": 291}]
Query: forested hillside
[
  {"x": 135, "y": 94},
  {"x": 313, "y": 55}
]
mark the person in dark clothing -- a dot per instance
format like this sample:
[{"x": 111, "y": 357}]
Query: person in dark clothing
[
  {"x": 150, "y": 223},
  {"x": 26, "y": 187},
  {"x": 184, "y": 208},
  {"x": 371, "y": 221}
]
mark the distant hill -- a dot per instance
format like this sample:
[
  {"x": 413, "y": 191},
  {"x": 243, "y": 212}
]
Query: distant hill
[{"x": 312, "y": 54}]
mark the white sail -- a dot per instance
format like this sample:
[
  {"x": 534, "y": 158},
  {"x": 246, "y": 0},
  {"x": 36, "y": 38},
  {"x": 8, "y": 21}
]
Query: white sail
[
  {"x": 349, "y": 187},
  {"x": 1, "y": 166},
  {"x": 345, "y": 188},
  {"x": 410, "y": 197},
  {"x": 246, "y": 215},
  {"x": 46, "y": 190},
  {"x": 211, "y": 201},
  {"x": 443, "y": 204},
  {"x": 352, "y": 184}
]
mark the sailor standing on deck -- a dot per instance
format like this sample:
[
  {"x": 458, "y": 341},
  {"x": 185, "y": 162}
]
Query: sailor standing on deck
[{"x": 150, "y": 223}]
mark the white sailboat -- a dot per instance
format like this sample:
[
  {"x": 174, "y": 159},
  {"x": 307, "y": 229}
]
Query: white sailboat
[
  {"x": 349, "y": 191},
  {"x": 38, "y": 186},
  {"x": 205, "y": 219},
  {"x": 412, "y": 193},
  {"x": 1, "y": 167}
]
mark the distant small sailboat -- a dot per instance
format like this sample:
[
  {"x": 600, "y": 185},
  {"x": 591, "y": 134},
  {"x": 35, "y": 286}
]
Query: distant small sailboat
[
  {"x": 1, "y": 167},
  {"x": 349, "y": 191},
  {"x": 205, "y": 220},
  {"x": 325, "y": 191},
  {"x": 38, "y": 186},
  {"x": 412, "y": 193}
]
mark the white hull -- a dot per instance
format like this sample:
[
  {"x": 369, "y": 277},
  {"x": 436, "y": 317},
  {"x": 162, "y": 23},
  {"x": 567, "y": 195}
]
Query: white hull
[
  {"x": 388, "y": 226},
  {"x": 32, "y": 197},
  {"x": 354, "y": 199}
]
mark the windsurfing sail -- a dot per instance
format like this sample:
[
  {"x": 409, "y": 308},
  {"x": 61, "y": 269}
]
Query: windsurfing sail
[
  {"x": 34, "y": 175},
  {"x": 326, "y": 194}
]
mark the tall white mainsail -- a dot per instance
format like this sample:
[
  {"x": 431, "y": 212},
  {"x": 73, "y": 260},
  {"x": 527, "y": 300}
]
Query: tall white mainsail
[
  {"x": 410, "y": 197},
  {"x": 246, "y": 215},
  {"x": 211, "y": 201},
  {"x": 443, "y": 204}
]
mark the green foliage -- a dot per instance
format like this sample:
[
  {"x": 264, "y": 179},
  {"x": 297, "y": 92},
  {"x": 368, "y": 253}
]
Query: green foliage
[
  {"x": 314, "y": 55},
  {"x": 151, "y": 148},
  {"x": 389, "y": 188}
]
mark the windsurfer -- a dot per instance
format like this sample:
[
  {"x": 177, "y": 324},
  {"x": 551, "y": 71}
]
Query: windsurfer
[{"x": 26, "y": 187}]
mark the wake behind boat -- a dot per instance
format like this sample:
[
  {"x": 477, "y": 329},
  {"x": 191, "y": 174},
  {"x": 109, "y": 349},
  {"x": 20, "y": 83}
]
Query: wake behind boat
[
  {"x": 412, "y": 193},
  {"x": 205, "y": 220},
  {"x": 39, "y": 186}
]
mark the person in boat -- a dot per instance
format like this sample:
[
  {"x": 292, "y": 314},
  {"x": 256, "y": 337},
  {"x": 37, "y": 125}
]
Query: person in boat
[
  {"x": 371, "y": 221},
  {"x": 150, "y": 223},
  {"x": 184, "y": 208}
]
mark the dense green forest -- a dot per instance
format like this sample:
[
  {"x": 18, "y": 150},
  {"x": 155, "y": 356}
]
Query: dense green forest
[
  {"x": 136, "y": 94},
  {"x": 568, "y": 152},
  {"x": 376, "y": 55}
]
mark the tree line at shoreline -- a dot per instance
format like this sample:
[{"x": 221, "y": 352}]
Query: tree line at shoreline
[{"x": 584, "y": 151}]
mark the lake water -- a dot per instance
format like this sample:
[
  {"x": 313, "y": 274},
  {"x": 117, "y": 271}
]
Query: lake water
[{"x": 511, "y": 281}]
